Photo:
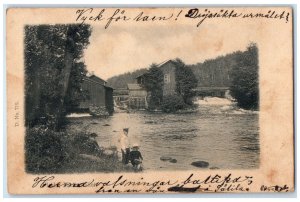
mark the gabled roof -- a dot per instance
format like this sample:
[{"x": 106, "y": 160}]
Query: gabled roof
[
  {"x": 140, "y": 75},
  {"x": 165, "y": 62},
  {"x": 159, "y": 65},
  {"x": 98, "y": 79},
  {"x": 134, "y": 86}
]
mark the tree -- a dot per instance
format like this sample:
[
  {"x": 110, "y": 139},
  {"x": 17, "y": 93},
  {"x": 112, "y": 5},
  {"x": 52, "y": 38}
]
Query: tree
[
  {"x": 153, "y": 84},
  {"x": 75, "y": 94},
  {"x": 121, "y": 81},
  {"x": 172, "y": 103},
  {"x": 185, "y": 81},
  {"x": 53, "y": 70},
  {"x": 244, "y": 75},
  {"x": 215, "y": 72}
]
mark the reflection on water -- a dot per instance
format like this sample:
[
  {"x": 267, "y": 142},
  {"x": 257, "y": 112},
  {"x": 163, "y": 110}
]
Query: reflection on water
[{"x": 222, "y": 136}]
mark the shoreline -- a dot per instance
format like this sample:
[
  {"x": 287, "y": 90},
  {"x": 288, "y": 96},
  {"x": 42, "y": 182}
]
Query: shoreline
[{"x": 78, "y": 153}]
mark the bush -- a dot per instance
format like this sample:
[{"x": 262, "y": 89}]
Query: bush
[
  {"x": 46, "y": 150},
  {"x": 172, "y": 103},
  {"x": 83, "y": 143}
]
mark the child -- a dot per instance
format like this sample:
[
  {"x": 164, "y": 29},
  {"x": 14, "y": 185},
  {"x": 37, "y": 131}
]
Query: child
[
  {"x": 124, "y": 145},
  {"x": 136, "y": 158}
]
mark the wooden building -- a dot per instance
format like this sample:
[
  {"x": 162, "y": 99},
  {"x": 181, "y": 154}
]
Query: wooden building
[
  {"x": 121, "y": 97},
  {"x": 169, "y": 88},
  {"x": 168, "y": 69},
  {"x": 99, "y": 95},
  {"x": 137, "y": 96}
]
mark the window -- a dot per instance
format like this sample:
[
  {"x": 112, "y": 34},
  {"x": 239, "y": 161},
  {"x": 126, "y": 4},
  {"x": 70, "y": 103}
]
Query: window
[{"x": 167, "y": 78}]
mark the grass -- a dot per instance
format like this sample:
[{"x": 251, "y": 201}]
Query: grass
[{"x": 47, "y": 151}]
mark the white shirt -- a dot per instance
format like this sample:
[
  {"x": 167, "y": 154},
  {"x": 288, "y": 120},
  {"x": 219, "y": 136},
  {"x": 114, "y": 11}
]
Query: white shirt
[{"x": 123, "y": 141}]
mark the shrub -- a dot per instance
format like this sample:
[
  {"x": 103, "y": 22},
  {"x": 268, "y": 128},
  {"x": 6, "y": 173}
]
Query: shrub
[
  {"x": 172, "y": 103},
  {"x": 46, "y": 150}
]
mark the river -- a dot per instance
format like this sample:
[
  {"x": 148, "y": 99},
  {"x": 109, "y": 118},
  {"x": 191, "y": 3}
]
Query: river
[{"x": 226, "y": 137}]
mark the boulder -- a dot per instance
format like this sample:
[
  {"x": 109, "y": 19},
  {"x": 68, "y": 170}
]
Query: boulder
[
  {"x": 173, "y": 161},
  {"x": 150, "y": 122},
  {"x": 200, "y": 164},
  {"x": 165, "y": 158},
  {"x": 214, "y": 168}
]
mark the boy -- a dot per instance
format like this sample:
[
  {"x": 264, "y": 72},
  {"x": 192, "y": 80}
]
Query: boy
[
  {"x": 124, "y": 145},
  {"x": 136, "y": 158}
]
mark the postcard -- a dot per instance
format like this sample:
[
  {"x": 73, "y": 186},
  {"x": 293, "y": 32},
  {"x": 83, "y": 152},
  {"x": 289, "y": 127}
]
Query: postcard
[{"x": 150, "y": 100}]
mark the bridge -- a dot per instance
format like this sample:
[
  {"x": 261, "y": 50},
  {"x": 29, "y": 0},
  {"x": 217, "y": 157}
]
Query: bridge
[{"x": 215, "y": 91}]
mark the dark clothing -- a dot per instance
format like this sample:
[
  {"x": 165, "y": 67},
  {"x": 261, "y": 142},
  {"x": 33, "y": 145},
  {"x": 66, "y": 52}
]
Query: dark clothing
[
  {"x": 135, "y": 157},
  {"x": 125, "y": 155}
]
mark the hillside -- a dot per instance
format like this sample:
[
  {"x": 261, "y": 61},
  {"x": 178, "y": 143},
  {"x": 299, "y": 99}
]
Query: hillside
[
  {"x": 212, "y": 72},
  {"x": 121, "y": 81},
  {"x": 215, "y": 72}
]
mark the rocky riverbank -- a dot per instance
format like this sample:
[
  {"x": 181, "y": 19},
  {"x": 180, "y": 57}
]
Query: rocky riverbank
[{"x": 48, "y": 151}]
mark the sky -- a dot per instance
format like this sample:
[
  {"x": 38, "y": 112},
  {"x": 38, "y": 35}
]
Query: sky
[{"x": 122, "y": 49}]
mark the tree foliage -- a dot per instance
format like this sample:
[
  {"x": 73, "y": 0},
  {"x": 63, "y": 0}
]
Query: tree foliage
[
  {"x": 121, "y": 81},
  {"x": 153, "y": 84},
  {"x": 74, "y": 93},
  {"x": 185, "y": 81},
  {"x": 244, "y": 87},
  {"x": 172, "y": 103},
  {"x": 215, "y": 72},
  {"x": 49, "y": 49}
]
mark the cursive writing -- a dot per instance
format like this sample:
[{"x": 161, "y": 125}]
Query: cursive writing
[
  {"x": 211, "y": 183},
  {"x": 120, "y": 15},
  {"x": 275, "y": 188},
  {"x": 195, "y": 13}
]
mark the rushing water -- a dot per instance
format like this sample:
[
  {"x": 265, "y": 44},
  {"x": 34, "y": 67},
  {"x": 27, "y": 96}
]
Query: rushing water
[{"x": 219, "y": 134}]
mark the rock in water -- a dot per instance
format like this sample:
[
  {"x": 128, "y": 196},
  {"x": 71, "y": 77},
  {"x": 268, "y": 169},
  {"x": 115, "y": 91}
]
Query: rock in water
[
  {"x": 173, "y": 161},
  {"x": 200, "y": 164},
  {"x": 165, "y": 158},
  {"x": 214, "y": 168}
]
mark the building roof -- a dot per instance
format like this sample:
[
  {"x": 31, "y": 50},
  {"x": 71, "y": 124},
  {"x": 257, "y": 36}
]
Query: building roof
[
  {"x": 159, "y": 65},
  {"x": 165, "y": 62},
  {"x": 121, "y": 91},
  {"x": 98, "y": 80},
  {"x": 140, "y": 75},
  {"x": 134, "y": 86}
]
